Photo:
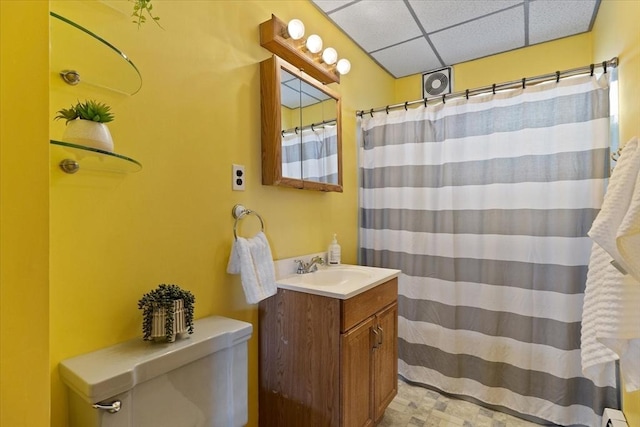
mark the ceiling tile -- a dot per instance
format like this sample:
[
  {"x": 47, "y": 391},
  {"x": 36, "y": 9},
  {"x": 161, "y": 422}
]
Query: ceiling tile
[
  {"x": 402, "y": 60},
  {"x": 331, "y": 5},
  {"x": 290, "y": 97},
  {"x": 492, "y": 34},
  {"x": 459, "y": 30},
  {"x": 367, "y": 22},
  {"x": 436, "y": 15},
  {"x": 551, "y": 20}
]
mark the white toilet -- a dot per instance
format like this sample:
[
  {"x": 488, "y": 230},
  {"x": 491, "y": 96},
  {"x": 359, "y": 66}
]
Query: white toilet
[{"x": 196, "y": 381}]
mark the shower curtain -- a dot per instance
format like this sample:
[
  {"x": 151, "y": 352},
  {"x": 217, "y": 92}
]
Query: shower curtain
[
  {"x": 311, "y": 154},
  {"x": 484, "y": 204}
]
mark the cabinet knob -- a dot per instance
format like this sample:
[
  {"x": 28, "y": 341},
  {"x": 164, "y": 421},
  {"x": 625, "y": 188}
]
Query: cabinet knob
[
  {"x": 378, "y": 333},
  {"x": 376, "y": 341}
]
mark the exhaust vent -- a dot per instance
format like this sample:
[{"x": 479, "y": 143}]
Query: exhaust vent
[{"x": 437, "y": 82}]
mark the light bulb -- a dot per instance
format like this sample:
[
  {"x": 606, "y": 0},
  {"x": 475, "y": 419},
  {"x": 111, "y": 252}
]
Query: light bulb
[
  {"x": 343, "y": 66},
  {"x": 330, "y": 56},
  {"x": 314, "y": 43},
  {"x": 295, "y": 28}
]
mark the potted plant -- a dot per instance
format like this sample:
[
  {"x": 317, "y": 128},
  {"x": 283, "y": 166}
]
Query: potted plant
[
  {"x": 86, "y": 124},
  {"x": 167, "y": 311}
]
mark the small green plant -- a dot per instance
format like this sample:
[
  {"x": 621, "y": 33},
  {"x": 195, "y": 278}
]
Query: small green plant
[
  {"x": 88, "y": 110},
  {"x": 163, "y": 297},
  {"x": 140, "y": 7}
]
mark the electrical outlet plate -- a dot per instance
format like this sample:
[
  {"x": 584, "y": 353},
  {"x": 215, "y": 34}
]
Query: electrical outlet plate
[{"x": 238, "y": 177}]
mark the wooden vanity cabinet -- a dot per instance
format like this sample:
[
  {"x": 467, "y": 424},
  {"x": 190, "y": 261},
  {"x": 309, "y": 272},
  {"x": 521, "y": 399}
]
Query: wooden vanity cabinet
[{"x": 327, "y": 361}]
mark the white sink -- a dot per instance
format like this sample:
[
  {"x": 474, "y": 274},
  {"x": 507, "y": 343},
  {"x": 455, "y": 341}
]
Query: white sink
[
  {"x": 333, "y": 276},
  {"x": 341, "y": 282}
]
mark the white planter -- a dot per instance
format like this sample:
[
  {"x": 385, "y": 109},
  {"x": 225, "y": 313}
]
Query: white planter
[
  {"x": 89, "y": 134},
  {"x": 160, "y": 317}
]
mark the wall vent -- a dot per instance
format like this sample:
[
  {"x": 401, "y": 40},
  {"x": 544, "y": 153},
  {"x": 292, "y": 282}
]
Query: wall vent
[{"x": 437, "y": 82}]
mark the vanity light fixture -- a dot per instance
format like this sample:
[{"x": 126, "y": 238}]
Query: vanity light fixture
[
  {"x": 329, "y": 56},
  {"x": 343, "y": 66},
  {"x": 285, "y": 41},
  {"x": 314, "y": 43},
  {"x": 295, "y": 28}
]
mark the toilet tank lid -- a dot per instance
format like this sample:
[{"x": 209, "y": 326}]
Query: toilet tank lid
[{"x": 105, "y": 373}]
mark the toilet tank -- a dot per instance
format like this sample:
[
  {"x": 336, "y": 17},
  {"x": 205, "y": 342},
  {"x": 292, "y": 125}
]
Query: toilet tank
[{"x": 200, "y": 380}]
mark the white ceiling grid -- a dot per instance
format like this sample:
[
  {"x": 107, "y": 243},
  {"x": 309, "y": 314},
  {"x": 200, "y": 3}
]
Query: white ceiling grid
[{"x": 413, "y": 36}]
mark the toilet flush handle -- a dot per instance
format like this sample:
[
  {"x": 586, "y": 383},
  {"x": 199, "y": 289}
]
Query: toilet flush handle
[{"x": 112, "y": 407}]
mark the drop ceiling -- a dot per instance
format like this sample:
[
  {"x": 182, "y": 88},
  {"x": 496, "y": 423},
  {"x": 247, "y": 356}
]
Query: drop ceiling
[{"x": 408, "y": 37}]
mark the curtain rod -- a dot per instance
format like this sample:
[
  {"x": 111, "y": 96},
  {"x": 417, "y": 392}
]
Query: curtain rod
[
  {"x": 613, "y": 63},
  {"x": 311, "y": 126}
]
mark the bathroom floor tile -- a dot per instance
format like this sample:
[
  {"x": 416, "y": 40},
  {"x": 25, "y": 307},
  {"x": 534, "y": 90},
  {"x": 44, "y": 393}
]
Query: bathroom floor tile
[{"x": 415, "y": 406}]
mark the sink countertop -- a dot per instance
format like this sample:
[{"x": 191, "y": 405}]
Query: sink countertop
[{"x": 357, "y": 279}]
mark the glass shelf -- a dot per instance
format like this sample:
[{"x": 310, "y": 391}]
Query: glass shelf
[
  {"x": 81, "y": 157},
  {"x": 76, "y": 51}
]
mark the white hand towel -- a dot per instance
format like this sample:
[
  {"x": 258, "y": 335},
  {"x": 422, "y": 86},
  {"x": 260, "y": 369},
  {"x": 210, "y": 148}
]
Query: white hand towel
[
  {"x": 628, "y": 235},
  {"x": 621, "y": 206},
  {"x": 611, "y": 319},
  {"x": 597, "y": 358},
  {"x": 251, "y": 258}
]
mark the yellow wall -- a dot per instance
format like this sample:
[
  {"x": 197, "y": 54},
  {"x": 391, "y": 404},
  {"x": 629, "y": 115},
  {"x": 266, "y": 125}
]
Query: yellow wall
[
  {"x": 562, "y": 54},
  {"x": 617, "y": 33},
  {"x": 24, "y": 215},
  {"x": 106, "y": 239},
  {"x": 114, "y": 237}
]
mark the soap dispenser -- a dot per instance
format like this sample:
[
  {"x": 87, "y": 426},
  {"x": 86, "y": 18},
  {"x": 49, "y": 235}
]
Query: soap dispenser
[{"x": 333, "y": 254}]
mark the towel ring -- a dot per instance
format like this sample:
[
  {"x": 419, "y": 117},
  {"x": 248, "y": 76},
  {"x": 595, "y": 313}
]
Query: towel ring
[{"x": 238, "y": 212}]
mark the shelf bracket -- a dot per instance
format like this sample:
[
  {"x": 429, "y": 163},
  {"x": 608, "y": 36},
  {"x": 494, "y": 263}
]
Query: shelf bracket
[
  {"x": 69, "y": 166},
  {"x": 71, "y": 77}
]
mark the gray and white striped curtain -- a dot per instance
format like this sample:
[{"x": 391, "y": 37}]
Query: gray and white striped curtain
[
  {"x": 311, "y": 154},
  {"x": 484, "y": 204}
]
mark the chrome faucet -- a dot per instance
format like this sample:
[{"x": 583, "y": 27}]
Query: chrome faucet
[{"x": 309, "y": 267}]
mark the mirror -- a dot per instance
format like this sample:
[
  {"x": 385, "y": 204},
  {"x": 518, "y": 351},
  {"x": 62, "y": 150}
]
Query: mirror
[{"x": 301, "y": 132}]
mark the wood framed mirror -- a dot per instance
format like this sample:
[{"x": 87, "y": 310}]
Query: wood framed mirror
[{"x": 301, "y": 129}]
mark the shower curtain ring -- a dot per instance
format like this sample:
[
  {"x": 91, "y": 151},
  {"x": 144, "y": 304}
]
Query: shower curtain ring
[
  {"x": 604, "y": 65},
  {"x": 443, "y": 99},
  {"x": 592, "y": 66},
  {"x": 371, "y": 112},
  {"x": 405, "y": 105},
  {"x": 557, "y": 76},
  {"x": 387, "y": 109},
  {"x": 467, "y": 94},
  {"x": 425, "y": 102}
]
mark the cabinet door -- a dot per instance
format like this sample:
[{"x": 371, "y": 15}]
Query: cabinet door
[
  {"x": 385, "y": 356},
  {"x": 356, "y": 387}
]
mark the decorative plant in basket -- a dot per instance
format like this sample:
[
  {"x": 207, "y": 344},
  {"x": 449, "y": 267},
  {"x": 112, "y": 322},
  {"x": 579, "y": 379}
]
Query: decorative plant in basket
[
  {"x": 86, "y": 124},
  {"x": 167, "y": 311}
]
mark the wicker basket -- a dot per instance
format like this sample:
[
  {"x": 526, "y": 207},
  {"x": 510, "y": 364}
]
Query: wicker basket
[{"x": 159, "y": 321}]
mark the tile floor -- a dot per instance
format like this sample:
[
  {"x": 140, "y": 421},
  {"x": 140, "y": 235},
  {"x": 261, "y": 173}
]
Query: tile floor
[{"x": 416, "y": 406}]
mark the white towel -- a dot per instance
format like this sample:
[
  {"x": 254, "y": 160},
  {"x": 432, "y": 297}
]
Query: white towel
[
  {"x": 614, "y": 225},
  {"x": 611, "y": 318},
  {"x": 628, "y": 235},
  {"x": 251, "y": 258}
]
